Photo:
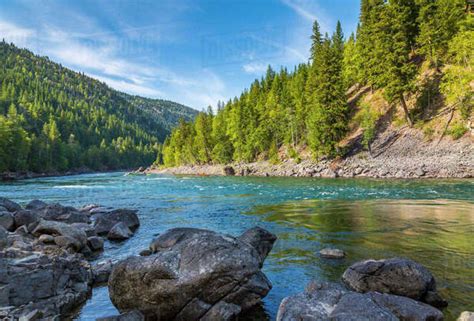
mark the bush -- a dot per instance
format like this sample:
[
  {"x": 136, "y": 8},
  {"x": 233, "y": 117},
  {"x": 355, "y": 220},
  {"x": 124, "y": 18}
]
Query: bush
[{"x": 457, "y": 130}]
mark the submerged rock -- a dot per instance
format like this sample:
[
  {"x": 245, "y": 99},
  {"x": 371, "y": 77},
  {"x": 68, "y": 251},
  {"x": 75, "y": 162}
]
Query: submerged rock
[
  {"x": 194, "y": 273},
  {"x": 329, "y": 253},
  {"x": 330, "y": 301},
  {"x": 395, "y": 276}
]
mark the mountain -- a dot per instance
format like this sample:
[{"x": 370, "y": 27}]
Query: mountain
[{"x": 55, "y": 119}]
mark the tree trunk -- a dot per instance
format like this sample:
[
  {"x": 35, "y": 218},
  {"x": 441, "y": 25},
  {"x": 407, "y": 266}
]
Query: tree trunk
[{"x": 405, "y": 110}]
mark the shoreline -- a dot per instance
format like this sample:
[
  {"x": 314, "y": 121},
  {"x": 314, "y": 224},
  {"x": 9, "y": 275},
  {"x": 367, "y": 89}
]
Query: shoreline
[
  {"x": 18, "y": 176},
  {"x": 396, "y": 153}
]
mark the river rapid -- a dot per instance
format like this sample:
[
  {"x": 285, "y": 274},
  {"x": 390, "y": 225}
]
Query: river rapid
[{"x": 429, "y": 221}]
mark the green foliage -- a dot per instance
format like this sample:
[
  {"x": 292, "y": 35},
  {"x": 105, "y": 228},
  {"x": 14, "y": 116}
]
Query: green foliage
[
  {"x": 308, "y": 106},
  {"x": 368, "y": 122},
  {"x": 54, "y": 119},
  {"x": 459, "y": 75},
  {"x": 457, "y": 130}
]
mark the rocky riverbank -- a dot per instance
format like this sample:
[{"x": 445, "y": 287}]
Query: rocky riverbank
[
  {"x": 396, "y": 153},
  {"x": 46, "y": 252}
]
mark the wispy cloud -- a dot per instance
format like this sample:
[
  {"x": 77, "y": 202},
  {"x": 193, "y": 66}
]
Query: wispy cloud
[
  {"x": 255, "y": 68},
  {"x": 19, "y": 35},
  {"x": 310, "y": 11}
]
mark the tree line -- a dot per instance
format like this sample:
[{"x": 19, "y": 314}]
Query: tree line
[
  {"x": 54, "y": 119},
  {"x": 307, "y": 107}
]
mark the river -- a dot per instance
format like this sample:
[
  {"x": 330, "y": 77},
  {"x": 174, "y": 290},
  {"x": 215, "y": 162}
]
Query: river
[{"x": 429, "y": 221}]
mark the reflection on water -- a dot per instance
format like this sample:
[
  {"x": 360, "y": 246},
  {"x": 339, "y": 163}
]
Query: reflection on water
[
  {"x": 430, "y": 221},
  {"x": 438, "y": 234}
]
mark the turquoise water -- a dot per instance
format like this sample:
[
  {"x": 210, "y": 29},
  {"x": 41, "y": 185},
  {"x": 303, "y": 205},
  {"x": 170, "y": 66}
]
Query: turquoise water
[{"x": 430, "y": 221}]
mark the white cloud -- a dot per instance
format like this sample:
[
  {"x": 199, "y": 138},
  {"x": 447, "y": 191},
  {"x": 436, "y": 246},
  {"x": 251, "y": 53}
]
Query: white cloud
[
  {"x": 13, "y": 33},
  {"x": 310, "y": 11},
  {"x": 255, "y": 68}
]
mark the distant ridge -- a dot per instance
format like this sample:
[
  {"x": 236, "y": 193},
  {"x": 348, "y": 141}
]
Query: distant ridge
[{"x": 56, "y": 119}]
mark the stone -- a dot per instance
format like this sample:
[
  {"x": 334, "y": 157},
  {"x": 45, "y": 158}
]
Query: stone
[
  {"x": 331, "y": 301},
  {"x": 36, "y": 205},
  {"x": 145, "y": 252},
  {"x": 222, "y": 311},
  {"x": 3, "y": 237},
  {"x": 330, "y": 253},
  {"x": 32, "y": 316},
  {"x": 6, "y": 221},
  {"x": 193, "y": 272},
  {"x": 128, "y": 316},
  {"x": 9, "y": 205},
  {"x": 228, "y": 171},
  {"x": 420, "y": 172},
  {"x": 397, "y": 276},
  {"x": 66, "y": 214},
  {"x": 95, "y": 243},
  {"x": 87, "y": 228},
  {"x": 70, "y": 235},
  {"x": 105, "y": 221},
  {"x": 25, "y": 217},
  {"x": 101, "y": 271},
  {"x": 119, "y": 232},
  {"x": 466, "y": 316},
  {"x": 46, "y": 239},
  {"x": 55, "y": 285}
]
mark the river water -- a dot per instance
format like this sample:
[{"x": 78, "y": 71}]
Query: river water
[{"x": 429, "y": 221}]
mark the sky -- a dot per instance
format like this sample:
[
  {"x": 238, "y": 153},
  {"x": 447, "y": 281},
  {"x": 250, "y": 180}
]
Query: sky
[{"x": 195, "y": 52}]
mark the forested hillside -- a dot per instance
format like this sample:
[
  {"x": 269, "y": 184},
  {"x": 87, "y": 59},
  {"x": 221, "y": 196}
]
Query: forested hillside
[
  {"x": 418, "y": 55},
  {"x": 54, "y": 119}
]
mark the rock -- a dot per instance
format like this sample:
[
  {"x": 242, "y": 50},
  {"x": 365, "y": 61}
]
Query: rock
[
  {"x": 89, "y": 208},
  {"x": 87, "y": 228},
  {"x": 222, "y": 311},
  {"x": 55, "y": 285},
  {"x": 9, "y": 205},
  {"x": 260, "y": 239},
  {"x": 433, "y": 298},
  {"x": 105, "y": 221},
  {"x": 70, "y": 234},
  {"x": 228, "y": 171},
  {"x": 67, "y": 242},
  {"x": 128, "y": 316},
  {"x": 119, "y": 232},
  {"x": 395, "y": 276},
  {"x": 66, "y": 214},
  {"x": 145, "y": 252},
  {"x": 190, "y": 272},
  {"x": 46, "y": 239},
  {"x": 36, "y": 205},
  {"x": 25, "y": 217},
  {"x": 329, "y": 253},
  {"x": 3, "y": 238},
  {"x": 95, "y": 243},
  {"x": 32, "y": 316},
  {"x": 419, "y": 172},
  {"x": 6, "y": 221},
  {"x": 101, "y": 271},
  {"x": 466, "y": 316},
  {"x": 330, "y": 301}
]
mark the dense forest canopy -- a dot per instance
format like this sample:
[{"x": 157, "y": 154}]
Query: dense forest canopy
[
  {"x": 307, "y": 108},
  {"x": 54, "y": 119}
]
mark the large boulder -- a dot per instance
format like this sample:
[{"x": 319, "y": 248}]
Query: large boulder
[
  {"x": 36, "y": 205},
  {"x": 6, "y": 220},
  {"x": 9, "y": 205},
  {"x": 119, "y": 232},
  {"x": 193, "y": 273},
  {"x": 25, "y": 217},
  {"x": 330, "y": 301},
  {"x": 104, "y": 222},
  {"x": 397, "y": 276},
  {"x": 66, "y": 214},
  {"x": 54, "y": 285},
  {"x": 70, "y": 235}
]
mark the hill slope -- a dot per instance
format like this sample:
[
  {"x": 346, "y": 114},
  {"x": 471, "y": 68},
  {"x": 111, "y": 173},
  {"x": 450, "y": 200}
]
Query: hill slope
[{"x": 55, "y": 119}]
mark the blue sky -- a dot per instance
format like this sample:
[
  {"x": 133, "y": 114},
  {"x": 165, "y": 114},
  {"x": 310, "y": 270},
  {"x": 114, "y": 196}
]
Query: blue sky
[{"x": 193, "y": 52}]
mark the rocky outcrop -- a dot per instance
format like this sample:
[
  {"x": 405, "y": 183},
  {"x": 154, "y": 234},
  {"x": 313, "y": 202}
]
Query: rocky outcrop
[
  {"x": 394, "y": 276},
  {"x": 194, "y": 274},
  {"x": 330, "y": 301},
  {"x": 44, "y": 271},
  {"x": 466, "y": 316}
]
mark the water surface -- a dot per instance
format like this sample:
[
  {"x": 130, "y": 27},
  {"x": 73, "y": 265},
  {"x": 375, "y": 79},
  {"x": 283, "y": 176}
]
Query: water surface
[{"x": 430, "y": 221}]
